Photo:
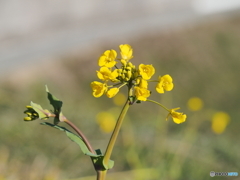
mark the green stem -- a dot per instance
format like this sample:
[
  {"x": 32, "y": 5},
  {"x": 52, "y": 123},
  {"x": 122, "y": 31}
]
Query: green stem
[
  {"x": 115, "y": 133},
  {"x": 158, "y": 104},
  {"x": 79, "y": 132},
  {"x": 101, "y": 174}
]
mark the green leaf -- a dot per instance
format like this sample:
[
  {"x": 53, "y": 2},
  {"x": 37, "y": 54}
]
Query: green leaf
[
  {"x": 39, "y": 110},
  {"x": 96, "y": 158},
  {"x": 57, "y": 105}
]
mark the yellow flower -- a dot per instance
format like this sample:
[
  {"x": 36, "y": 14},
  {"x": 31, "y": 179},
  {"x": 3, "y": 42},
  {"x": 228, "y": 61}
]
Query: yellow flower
[
  {"x": 112, "y": 92},
  {"x": 220, "y": 120},
  {"x": 141, "y": 93},
  {"x": 126, "y": 51},
  {"x": 107, "y": 59},
  {"x": 105, "y": 74},
  {"x": 165, "y": 83},
  {"x": 177, "y": 116},
  {"x": 143, "y": 83},
  {"x": 98, "y": 88},
  {"x": 146, "y": 71}
]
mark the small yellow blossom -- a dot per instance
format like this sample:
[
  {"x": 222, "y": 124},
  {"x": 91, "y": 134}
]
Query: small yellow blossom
[
  {"x": 177, "y": 116},
  {"x": 146, "y": 71},
  {"x": 165, "y": 83},
  {"x": 143, "y": 83},
  {"x": 107, "y": 59},
  {"x": 141, "y": 93},
  {"x": 106, "y": 74},
  {"x": 98, "y": 88},
  {"x": 220, "y": 120},
  {"x": 195, "y": 104},
  {"x": 126, "y": 51},
  {"x": 112, "y": 92}
]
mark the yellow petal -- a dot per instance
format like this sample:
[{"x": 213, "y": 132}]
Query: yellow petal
[
  {"x": 159, "y": 88},
  {"x": 126, "y": 51},
  {"x": 112, "y": 92},
  {"x": 168, "y": 87}
]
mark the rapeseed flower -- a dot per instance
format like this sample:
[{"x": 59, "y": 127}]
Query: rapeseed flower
[
  {"x": 98, "y": 88},
  {"x": 126, "y": 51},
  {"x": 106, "y": 74},
  {"x": 146, "y": 71},
  {"x": 118, "y": 72},
  {"x": 164, "y": 83},
  {"x": 141, "y": 93},
  {"x": 107, "y": 59},
  {"x": 177, "y": 116}
]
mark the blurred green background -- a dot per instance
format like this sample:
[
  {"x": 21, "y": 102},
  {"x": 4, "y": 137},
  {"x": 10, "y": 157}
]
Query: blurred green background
[{"x": 204, "y": 62}]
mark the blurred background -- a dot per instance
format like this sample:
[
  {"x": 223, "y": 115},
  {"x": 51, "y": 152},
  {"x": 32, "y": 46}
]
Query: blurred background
[{"x": 58, "y": 43}]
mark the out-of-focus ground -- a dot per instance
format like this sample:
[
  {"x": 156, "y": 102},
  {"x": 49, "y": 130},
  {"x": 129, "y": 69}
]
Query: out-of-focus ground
[{"x": 202, "y": 58}]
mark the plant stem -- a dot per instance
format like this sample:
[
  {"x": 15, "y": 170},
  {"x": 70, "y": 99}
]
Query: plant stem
[
  {"x": 79, "y": 132},
  {"x": 115, "y": 133},
  {"x": 158, "y": 104},
  {"x": 101, "y": 174}
]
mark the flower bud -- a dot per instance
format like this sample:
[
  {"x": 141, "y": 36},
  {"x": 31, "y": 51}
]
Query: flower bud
[{"x": 27, "y": 119}]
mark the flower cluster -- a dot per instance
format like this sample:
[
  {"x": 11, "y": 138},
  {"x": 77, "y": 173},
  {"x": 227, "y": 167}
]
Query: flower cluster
[
  {"x": 127, "y": 74},
  {"x": 31, "y": 114},
  {"x": 121, "y": 72}
]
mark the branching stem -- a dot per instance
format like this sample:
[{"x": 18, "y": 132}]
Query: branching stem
[{"x": 79, "y": 132}]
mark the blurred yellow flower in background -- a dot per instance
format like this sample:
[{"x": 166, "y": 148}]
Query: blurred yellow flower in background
[
  {"x": 119, "y": 99},
  {"x": 195, "y": 104},
  {"x": 220, "y": 120},
  {"x": 106, "y": 121}
]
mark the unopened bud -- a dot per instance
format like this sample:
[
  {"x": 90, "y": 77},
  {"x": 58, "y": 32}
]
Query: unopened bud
[
  {"x": 128, "y": 68},
  {"x": 35, "y": 114},
  {"x": 29, "y": 107},
  {"x": 130, "y": 64},
  {"x": 28, "y": 113},
  {"x": 27, "y": 119},
  {"x": 119, "y": 71},
  {"x": 124, "y": 63},
  {"x": 129, "y": 74}
]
